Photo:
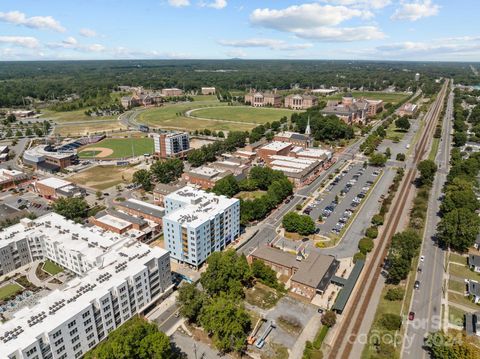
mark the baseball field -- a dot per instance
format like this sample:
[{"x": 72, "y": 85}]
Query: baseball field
[{"x": 117, "y": 148}]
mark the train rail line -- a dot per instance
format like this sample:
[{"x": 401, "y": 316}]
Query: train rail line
[{"x": 343, "y": 344}]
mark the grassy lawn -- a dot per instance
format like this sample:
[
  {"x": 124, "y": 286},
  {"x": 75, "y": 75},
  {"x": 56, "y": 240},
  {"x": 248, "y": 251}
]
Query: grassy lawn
[
  {"x": 262, "y": 296},
  {"x": 456, "y": 286},
  {"x": 463, "y": 272},
  {"x": 455, "y": 315},
  {"x": 457, "y": 258},
  {"x": 202, "y": 98},
  {"x": 103, "y": 177},
  {"x": 392, "y": 97},
  {"x": 256, "y": 115},
  {"x": 384, "y": 307},
  {"x": 278, "y": 352},
  {"x": 460, "y": 299},
  {"x": 52, "y": 268},
  {"x": 122, "y": 147},
  {"x": 69, "y": 130},
  {"x": 434, "y": 150},
  {"x": 393, "y": 132},
  {"x": 9, "y": 290},
  {"x": 72, "y": 116},
  {"x": 250, "y": 195}
]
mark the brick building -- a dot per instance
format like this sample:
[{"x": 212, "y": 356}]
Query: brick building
[
  {"x": 300, "y": 102},
  {"x": 263, "y": 99},
  {"x": 274, "y": 148}
]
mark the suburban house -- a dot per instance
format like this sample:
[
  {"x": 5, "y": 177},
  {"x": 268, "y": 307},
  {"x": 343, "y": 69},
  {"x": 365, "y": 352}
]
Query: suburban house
[
  {"x": 474, "y": 262},
  {"x": 262, "y": 99},
  {"x": 473, "y": 289}
]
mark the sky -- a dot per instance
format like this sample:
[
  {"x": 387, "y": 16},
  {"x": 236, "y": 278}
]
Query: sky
[{"x": 433, "y": 30}]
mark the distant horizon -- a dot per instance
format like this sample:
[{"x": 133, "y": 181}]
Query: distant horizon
[{"x": 350, "y": 30}]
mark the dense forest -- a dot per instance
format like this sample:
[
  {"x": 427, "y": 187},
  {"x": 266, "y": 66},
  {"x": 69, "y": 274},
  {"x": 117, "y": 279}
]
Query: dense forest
[{"x": 57, "y": 79}]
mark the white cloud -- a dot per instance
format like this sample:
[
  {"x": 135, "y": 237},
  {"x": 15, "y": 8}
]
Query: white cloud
[
  {"x": 87, "y": 32},
  {"x": 318, "y": 22},
  {"x": 36, "y": 22},
  {"x": 361, "y": 4},
  {"x": 415, "y": 10},
  {"x": 268, "y": 43},
  {"x": 72, "y": 44},
  {"x": 305, "y": 16},
  {"x": 71, "y": 41},
  {"x": 23, "y": 41},
  {"x": 179, "y": 3},
  {"x": 216, "y": 4}
]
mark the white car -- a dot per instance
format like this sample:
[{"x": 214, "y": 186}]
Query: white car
[{"x": 422, "y": 258}]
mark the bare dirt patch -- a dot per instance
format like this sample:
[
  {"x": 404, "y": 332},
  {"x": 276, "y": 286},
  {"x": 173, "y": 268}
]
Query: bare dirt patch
[{"x": 102, "y": 151}]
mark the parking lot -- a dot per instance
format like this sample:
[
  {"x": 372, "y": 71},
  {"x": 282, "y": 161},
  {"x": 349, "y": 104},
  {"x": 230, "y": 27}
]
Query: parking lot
[
  {"x": 27, "y": 200},
  {"x": 349, "y": 187}
]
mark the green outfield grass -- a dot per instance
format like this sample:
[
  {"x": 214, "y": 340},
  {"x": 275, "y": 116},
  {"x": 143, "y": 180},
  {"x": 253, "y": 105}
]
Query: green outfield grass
[
  {"x": 392, "y": 97},
  {"x": 9, "y": 289},
  {"x": 255, "y": 115},
  {"x": 121, "y": 147}
]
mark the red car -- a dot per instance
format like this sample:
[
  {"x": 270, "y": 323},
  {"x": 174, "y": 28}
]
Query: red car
[{"x": 411, "y": 316}]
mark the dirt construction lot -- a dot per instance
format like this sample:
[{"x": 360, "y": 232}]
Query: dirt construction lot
[{"x": 103, "y": 177}]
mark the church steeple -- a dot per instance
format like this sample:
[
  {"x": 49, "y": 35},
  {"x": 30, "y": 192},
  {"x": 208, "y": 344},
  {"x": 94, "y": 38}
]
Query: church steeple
[{"x": 308, "y": 131}]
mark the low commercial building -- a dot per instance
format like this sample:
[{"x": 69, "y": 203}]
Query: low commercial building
[
  {"x": 300, "y": 102},
  {"x": 208, "y": 91},
  {"x": 300, "y": 171},
  {"x": 204, "y": 177},
  {"x": 274, "y": 148},
  {"x": 171, "y": 144},
  {"x": 142, "y": 209},
  {"x": 11, "y": 178},
  {"x": 407, "y": 109},
  {"x": 53, "y": 188},
  {"x": 198, "y": 223},
  {"x": 308, "y": 276},
  {"x": 46, "y": 158},
  {"x": 118, "y": 279},
  {"x": 237, "y": 166},
  {"x": 248, "y": 155},
  {"x": 295, "y": 138},
  {"x": 263, "y": 99},
  {"x": 318, "y": 154},
  {"x": 172, "y": 92},
  {"x": 163, "y": 189}
]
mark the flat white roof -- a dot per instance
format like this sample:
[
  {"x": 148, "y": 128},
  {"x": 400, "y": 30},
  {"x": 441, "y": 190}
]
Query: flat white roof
[
  {"x": 293, "y": 160},
  {"x": 276, "y": 146},
  {"x": 311, "y": 152},
  {"x": 199, "y": 206},
  {"x": 205, "y": 171},
  {"x": 114, "y": 222},
  {"x": 54, "y": 183},
  {"x": 287, "y": 169}
]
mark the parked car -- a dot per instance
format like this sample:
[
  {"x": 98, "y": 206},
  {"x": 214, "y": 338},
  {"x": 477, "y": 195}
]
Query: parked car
[
  {"x": 416, "y": 285},
  {"x": 411, "y": 316}
]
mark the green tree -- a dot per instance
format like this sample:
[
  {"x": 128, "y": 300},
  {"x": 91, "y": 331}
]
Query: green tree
[
  {"x": 167, "y": 171},
  {"x": 191, "y": 301},
  {"x": 228, "y": 323},
  {"x": 403, "y": 123},
  {"x": 395, "y": 294},
  {"x": 371, "y": 232},
  {"x": 74, "y": 208},
  {"x": 227, "y": 186},
  {"x": 365, "y": 245},
  {"x": 377, "y": 159},
  {"x": 427, "y": 169},
  {"x": 143, "y": 178},
  {"x": 329, "y": 318},
  {"x": 458, "y": 229},
  {"x": 265, "y": 274},
  {"x": 301, "y": 224},
  {"x": 444, "y": 346},
  {"x": 400, "y": 157},
  {"x": 391, "y": 321}
]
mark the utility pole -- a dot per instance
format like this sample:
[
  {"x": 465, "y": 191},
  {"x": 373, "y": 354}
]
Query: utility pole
[{"x": 195, "y": 349}]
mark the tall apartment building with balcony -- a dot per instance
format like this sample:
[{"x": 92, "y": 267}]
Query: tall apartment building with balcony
[
  {"x": 118, "y": 277},
  {"x": 171, "y": 144},
  {"x": 198, "y": 223}
]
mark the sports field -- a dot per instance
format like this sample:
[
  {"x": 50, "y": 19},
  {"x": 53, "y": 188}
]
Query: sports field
[
  {"x": 118, "y": 148},
  {"x": 254, "y": 115},
  {"x": 103, "y": 177},
  {"x": 392, "y": 97}
]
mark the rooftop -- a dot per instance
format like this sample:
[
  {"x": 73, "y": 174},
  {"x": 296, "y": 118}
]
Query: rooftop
[
  {"x": 144, "y": 207},
  {"x": 54, "y": 183},
  {"x": 276, "y": 146}
]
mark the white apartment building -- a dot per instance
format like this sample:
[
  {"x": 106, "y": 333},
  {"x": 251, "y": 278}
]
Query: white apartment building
[
  {"x": 198, "y": 223},
  {"x": 171, "y": 144},
  {"x": 120, "y": 277}
]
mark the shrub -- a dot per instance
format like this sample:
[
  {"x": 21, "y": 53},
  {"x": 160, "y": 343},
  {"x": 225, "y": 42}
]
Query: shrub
[
  {"x": 400, "y": 157},
  {"x": 372, "y": 232},
  {"x": 365, "y": 245},
  {"x": 377, "y": 220},
  {"x": 391, "y": 321},
  {"x": 357, "y": 256},
  {"x": 329, "y": 318},
  {"x": 394, "y": 294}
]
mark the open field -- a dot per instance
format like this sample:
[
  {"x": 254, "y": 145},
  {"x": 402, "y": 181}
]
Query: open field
[
  {"x": 9, "y": 289},
  {"x": 392, "y": 97},
  {"x": 157, "y": 115},
  {"x": 250, "y": 195},
  {"x": 66, "y": 129},
  {"x": 395, "y": 133},
  {"x": 121, "y": 147},
  {"x": 103, "y": 177},
  {"x": 262, "y": 296},
  {"x": 256, "y": 115},
  {"x": 202, "y": 98},
  {"x": 52, "y": 268},
  {"x": 455, "y": 315},
  {"x": 72, "y": 116}
]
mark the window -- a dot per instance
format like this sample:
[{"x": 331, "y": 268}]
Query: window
[
  {"x": 31, "y": 351},
  {"x": 86, "y": 314},
  {"x": 85, "y": 323},
  {"x": 71, "y": 324},
  {"x": 88, "y": 329},
  {"x": 57, "y": 334},
  {"x": 61, "y": 349},
  {"x": 91, "y": 344},
  {"x": 74, "y": 331},
  {"x": 58, "y": 342},
  {"x": 90, "y": 336},
  {"x": 75, "y": 339},
  {"x": 76, "y": 346}
]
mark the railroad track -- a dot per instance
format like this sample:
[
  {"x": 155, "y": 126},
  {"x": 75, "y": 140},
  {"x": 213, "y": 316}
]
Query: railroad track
[{"x": 350, "y": 328}]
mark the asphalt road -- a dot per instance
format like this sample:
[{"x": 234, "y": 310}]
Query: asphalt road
[{"x": 427, "y": 300}]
